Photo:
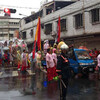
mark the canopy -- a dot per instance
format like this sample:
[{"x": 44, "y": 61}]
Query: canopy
[
  {"x": 6, "y": 48},
  {"x": 83, "y": 47}
]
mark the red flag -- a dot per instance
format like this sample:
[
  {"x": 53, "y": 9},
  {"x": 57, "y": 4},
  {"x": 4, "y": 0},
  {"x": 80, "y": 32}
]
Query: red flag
[
  {"x": 33, "y": 52},
  {"x": 59, "y": 29},
  {"x": 39, "y": 35},
  {"x": 36, "y": 34}
]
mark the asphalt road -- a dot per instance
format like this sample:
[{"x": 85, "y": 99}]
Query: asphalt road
[{"x": 33, "y": 86}]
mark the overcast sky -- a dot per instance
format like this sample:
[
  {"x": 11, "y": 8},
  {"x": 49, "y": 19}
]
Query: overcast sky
[
  {"x": 21, "y": 3},
  {"x": 22, "y": 6}
]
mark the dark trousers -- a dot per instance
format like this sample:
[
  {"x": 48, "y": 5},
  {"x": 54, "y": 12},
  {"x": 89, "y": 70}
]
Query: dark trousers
[{"x": 63, "y": 88}]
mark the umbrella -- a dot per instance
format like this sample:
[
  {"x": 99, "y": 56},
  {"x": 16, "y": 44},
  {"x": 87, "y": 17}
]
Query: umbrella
[
  {"x": 83, "y": 47},
  {"x": 6, "y": 48}
]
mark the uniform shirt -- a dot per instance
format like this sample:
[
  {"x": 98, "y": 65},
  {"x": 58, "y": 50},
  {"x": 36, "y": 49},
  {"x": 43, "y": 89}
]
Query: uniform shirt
[
  {"x": 63, "y": 66},
  {"x": 50, "y": 60},
  {"x": 98, "y": 60}
]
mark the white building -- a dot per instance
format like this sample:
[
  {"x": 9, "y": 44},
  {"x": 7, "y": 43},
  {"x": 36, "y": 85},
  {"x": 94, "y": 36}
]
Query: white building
[
  {"x": 80, "y": 23},
  {"x": 8, "y": 27}
]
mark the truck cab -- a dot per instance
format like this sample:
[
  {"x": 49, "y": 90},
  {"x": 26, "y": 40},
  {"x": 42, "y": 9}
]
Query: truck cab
[{"x": 81, "y": 62}]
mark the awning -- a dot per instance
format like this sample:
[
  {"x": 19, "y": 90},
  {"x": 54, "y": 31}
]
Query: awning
[{"x": 46, "y": 5}]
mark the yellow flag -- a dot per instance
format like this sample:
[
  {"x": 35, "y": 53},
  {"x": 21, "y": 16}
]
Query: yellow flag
[{"x": 36, "y": 34}]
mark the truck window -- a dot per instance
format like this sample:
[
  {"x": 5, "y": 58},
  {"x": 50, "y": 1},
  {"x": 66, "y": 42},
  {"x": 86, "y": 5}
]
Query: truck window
[
  {"x": 81, "y": 55},
  {"x": 71, "y": 54}
]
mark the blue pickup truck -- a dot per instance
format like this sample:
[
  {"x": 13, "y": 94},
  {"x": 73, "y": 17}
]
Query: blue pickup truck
[{"x": 81, "y": 62}]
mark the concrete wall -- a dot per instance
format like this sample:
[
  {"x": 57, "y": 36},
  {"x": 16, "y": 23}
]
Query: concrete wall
[
  {"x": 68, "y": 13},
  {"x": 8, "y": 26}
]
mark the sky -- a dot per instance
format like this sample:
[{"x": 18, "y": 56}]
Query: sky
[{"x": 22, "y": 6}]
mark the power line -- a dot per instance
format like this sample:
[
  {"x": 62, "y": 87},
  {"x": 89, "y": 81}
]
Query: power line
[
  {"x": 39, "y": 8},
  {"x": 18, "y": 7}
]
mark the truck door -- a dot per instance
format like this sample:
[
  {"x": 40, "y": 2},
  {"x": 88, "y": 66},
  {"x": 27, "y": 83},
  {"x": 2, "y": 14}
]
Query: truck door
[{"x": 73, "y": 61}]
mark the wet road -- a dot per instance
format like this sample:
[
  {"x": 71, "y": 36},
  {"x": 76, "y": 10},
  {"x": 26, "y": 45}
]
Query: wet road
[{"x": 35, "y": 87}]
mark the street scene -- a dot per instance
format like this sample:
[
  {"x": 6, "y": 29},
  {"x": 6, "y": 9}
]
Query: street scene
[{"x": 50, "y": 50}]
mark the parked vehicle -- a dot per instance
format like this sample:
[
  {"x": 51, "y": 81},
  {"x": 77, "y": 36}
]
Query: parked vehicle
[{"x": 81, "y": 62}]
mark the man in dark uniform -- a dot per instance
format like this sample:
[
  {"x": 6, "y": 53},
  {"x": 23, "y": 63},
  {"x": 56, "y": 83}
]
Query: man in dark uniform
[{"x": 63, "y": 71}]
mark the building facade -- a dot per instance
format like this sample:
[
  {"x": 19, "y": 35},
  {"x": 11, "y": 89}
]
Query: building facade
[
  {"x": 80, "y": 23},
  {"x": 8, "y": 27}
]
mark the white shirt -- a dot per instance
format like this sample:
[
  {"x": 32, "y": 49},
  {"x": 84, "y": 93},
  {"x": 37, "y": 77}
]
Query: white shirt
[
  {"x": 50, "y": 60},
  {"x": 98, "y": 60}
]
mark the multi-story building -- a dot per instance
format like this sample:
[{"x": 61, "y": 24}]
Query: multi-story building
[
  {"x": 8, "y": 27},
  {"x": 80, "y": 22}
]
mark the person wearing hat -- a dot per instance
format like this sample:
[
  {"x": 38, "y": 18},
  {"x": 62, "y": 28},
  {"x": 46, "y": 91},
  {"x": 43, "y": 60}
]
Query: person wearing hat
[
  {"x": 50, "y": 65},
  {"x": 45, "y": 46},
  {"x": 63, "y": 71}
]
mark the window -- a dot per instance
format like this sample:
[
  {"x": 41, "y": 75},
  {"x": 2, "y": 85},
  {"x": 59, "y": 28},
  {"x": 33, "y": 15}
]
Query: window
[
  {"x": 78, "y": 20},
  {"x": 5, "y": 30},
  {"x": 48, "y": 11},
  {"x": 11, "y": 35},
  {"x": 24, "y": 35},
  {"x": 82, "y": 55},
  {"x": 48, "y": 28},
  {"x": 95, "y": 14},
  {"x": 63, "y": 25},
  {"x": 3, "y": 35},
  {"x": 13, "y": 23},
  {"x": 13, "y": 29},
  {"x": 3, "y": 23},
  {"x": 31, "y": 33}
]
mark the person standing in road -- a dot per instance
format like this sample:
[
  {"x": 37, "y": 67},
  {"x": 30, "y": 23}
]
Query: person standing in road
[
  {"x": 50, "y": 65},
  {"x": 46, "y": 46},
  {"x": 38, "y": 58},
  {"x": 24, "y": 62},
  {"x": 19, "y": 60},
  {"x": 98, "y": 64},
  {"x": 54, "y": 56},
  {"x": 63, "y": 71},
  {"x": 33, "y": 62}
]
